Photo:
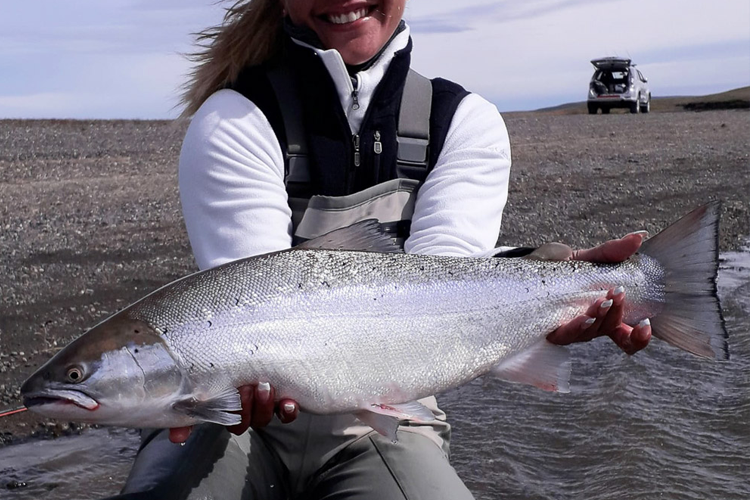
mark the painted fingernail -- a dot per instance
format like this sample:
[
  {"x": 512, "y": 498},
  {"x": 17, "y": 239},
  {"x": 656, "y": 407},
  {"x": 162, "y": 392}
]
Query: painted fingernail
[
  {"x": 644, "y": 323},
  {"x": 606, "y": 304},
  {"x": 588, "y": 323},
  {"x": 263, "y": 392},
  {"x": 642, "y": 233},
  {"x": 618, "y": 290},
  {"x": 290, "y": 407}
]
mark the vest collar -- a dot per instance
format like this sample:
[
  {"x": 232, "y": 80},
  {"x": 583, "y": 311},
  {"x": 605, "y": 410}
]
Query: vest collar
[{"x": 366, "y": 80}]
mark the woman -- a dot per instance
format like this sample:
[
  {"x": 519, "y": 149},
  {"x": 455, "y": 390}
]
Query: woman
[{"x": 347, "y": 62}]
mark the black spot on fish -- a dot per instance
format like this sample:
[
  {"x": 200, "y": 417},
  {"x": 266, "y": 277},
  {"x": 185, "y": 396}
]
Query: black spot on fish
[
  {"x": 544, "y": 282},
  {"x": 212, "y": 365},
  {"x": 136, "y": 331},
  {"x": 136, "y": 350},
  {"x": 236, "y": 302},
  {"x": 210, "y": 324}
]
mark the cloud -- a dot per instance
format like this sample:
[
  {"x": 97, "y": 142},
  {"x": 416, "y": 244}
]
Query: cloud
[{"x": 467, "y": 17}]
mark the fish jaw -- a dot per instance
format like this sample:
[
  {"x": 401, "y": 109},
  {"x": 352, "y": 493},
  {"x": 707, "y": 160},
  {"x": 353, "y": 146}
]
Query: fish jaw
[{"x": 46, "y": 402}]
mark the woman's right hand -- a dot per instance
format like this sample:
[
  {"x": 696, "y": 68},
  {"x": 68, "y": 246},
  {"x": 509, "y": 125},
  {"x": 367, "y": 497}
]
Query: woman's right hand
[{"x": 258, "y": 408}]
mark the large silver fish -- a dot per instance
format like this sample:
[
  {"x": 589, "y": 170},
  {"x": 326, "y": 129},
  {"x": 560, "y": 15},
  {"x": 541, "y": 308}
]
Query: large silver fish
[{"x": 367, "y": 332}]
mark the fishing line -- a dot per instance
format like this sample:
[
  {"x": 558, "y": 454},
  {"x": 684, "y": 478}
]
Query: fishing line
[{"x": 11, "y": 411}]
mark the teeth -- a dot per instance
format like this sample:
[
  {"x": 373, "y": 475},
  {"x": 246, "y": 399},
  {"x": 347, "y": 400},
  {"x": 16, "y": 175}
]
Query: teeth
[{"x": 347, "y": 18}]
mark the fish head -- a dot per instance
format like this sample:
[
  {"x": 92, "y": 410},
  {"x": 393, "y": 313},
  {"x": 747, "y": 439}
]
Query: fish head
[{"x": 120, "y": 372}]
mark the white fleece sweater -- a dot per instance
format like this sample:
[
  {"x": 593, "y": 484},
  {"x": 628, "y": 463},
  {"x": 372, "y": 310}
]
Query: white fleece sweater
[{"x": 231, "y": 175}]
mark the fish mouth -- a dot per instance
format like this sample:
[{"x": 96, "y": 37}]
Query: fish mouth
[{"x": 76, "y": 398}]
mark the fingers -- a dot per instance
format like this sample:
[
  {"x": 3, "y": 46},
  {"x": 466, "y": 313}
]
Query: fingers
[
  {"x": 604, "y": 317},
  {"x": 288, "y": 410},
  {"x": 611, "y": 311},
  {"x": 179, "y": 435},
  {"x": 613, "y": 250},
  {"x": 258, "y": 406},
  {"x": 632, "y": 340},
  {"x": 263, "y": 405}
]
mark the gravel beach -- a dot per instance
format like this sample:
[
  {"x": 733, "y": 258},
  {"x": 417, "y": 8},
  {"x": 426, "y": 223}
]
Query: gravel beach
[{"x": 90, "y": 218}]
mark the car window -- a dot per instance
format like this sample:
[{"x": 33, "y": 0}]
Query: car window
[{"x": 640, "y": 75}]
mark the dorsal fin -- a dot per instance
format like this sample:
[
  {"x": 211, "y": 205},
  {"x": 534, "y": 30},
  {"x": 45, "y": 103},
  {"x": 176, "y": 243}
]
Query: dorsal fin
[{"x": 365, "y": 236}]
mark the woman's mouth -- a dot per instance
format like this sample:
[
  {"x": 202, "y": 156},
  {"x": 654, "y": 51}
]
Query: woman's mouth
[{"x": 348, "y": 17}]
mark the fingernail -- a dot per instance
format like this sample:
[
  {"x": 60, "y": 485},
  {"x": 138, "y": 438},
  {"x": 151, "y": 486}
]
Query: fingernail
[
  {"x": 588, "y": 323},
  {"x": 289, "y": 407},
  {"x": 606, "y": 304},
  {"x": 618, "y": 291},
  {"x": 642, "y": 233},
  {"x": 263, "y": 392},
  {"x": 644, "y": 323}
]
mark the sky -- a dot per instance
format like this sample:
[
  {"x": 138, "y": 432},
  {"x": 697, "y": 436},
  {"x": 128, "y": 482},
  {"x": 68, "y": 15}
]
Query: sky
[{"x": 112, "y": 59}]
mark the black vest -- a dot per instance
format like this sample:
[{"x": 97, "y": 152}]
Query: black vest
[{"x": 330, "y": 141}]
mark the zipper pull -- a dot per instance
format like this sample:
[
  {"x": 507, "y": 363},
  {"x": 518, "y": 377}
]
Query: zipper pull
[
  {"x": 354, "y": 98},
  {"x": 355, "y": 140},
  {"x": 355, "y": 92},
  {"x": 378, "y": 145}
]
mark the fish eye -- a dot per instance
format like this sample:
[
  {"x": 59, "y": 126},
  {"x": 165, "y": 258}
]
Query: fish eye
[{"x": 74, "y": 374}]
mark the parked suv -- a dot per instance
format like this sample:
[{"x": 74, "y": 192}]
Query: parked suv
[{"x": 618, "y": 84}]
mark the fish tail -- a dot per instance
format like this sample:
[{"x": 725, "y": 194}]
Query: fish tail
[{"x": 689, "y": 252}]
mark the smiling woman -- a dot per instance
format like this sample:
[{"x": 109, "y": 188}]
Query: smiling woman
[{"x": 306, "y": 117}]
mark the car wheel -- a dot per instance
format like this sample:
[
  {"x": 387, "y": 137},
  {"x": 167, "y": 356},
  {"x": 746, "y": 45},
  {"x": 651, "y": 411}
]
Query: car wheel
[
  {"x": 593, "y": 108},
  {"x": 646, "y": 107},
  {"x": 635, "y": 106}
]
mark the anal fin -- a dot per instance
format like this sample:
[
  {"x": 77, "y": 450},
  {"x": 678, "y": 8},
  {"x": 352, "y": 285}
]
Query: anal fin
[{"x": 543, "y": 365}]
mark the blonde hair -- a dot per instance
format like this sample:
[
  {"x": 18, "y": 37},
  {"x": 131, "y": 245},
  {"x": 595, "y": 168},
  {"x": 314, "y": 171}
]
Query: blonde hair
[{"x": 250, "y": 34}]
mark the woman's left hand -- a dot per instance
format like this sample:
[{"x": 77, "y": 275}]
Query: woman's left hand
[{"x": 604, "y": 317}]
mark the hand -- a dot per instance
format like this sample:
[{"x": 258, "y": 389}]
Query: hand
[
  {"x": 604, "y": 317},
  {"x": 257, "y": 411}
]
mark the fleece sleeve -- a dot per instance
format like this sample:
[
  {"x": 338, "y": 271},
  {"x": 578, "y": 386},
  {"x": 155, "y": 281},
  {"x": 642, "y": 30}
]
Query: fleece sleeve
[
  {"x": 231, "y": 179},
  {"x": 459, "y": 207}
]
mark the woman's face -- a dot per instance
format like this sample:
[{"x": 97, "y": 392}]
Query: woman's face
[{"x": 358, "y": 29}]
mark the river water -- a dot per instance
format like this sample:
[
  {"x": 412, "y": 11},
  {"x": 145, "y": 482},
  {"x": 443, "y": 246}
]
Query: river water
[{"x": 661, "y": 424}]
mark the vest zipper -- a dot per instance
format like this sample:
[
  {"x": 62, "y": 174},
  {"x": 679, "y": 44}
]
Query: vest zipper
[
  {"x": 377, "y": 146},
  {"x": 355, "y": 140}
]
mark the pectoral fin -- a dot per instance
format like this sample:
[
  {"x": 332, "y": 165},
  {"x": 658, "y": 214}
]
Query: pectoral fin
[
  {"x": 216, "y": 408},
  {"x": 543, "y": 365}
]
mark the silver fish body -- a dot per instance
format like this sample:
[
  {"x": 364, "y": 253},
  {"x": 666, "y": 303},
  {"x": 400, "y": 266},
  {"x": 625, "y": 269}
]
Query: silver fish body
[
  {"x": 359, "y": 331},
  {"x": 336, "y": 329}
]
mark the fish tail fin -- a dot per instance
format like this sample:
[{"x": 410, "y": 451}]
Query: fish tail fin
[{"x": 689, "y": 252}]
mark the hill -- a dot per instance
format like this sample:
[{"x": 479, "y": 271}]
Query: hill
[{"x": 731, "y": 99}]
